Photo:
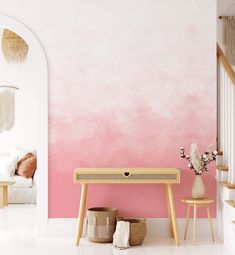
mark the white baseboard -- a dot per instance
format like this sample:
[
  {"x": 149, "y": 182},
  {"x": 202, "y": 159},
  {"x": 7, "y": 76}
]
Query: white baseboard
[{"x": 155, "y": 227}]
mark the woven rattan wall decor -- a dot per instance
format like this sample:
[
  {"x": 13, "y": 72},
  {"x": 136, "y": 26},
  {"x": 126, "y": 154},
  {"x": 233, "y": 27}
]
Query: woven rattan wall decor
[{"x": 14, "y": 47}]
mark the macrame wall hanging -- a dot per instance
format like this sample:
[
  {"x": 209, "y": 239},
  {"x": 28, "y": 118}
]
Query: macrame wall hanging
[
  {"x": 7, "y": 107},
  {"x": 229, "y": 37},
  {"x": 14, "y": 47}
]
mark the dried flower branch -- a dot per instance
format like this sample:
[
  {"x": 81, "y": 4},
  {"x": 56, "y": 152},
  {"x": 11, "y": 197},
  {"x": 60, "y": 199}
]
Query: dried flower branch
[{"x": 199, "y": 162}]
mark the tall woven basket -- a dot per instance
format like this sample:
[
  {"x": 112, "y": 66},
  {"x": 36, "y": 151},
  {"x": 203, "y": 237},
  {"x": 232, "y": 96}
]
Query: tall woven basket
[{"x": 101, "y": 224}]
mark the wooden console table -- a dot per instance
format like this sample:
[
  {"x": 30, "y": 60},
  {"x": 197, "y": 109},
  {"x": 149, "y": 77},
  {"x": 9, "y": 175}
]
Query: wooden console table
[{"x": 167, "y": 176}]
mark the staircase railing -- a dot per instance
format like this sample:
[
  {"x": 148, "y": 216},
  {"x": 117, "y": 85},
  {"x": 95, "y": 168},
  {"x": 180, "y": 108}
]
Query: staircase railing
[{"x": 226, "y": 113}]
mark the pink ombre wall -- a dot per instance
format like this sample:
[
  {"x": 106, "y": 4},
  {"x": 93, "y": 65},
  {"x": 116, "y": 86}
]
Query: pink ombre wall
[{"x": 130, "y": 82}]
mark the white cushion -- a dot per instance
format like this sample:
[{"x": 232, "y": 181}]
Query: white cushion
[
  {"x": 8, "y": 165},
  {"x": 2, "y": 155},
  {"x": 20, "y": 152},
  {"x": 22, "y": 182},
  {"x": 21, "y": 196}
]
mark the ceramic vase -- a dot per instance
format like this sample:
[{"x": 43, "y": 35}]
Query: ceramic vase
[{"x": 198, "y": 188}]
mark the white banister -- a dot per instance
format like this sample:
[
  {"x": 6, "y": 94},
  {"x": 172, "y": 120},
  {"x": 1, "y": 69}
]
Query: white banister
[
  {"x": 232, "y": 169},
  {"x": 228, "y": 127},
  {"x": 226, "y": 144},
  {"x": 221, "y": 107},
  {"x": 225, "y": 134},
  {"x": 226, "y": 119}
]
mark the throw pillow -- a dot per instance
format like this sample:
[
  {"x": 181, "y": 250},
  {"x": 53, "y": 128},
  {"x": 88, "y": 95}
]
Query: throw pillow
[{"x": 27, "y": 166}]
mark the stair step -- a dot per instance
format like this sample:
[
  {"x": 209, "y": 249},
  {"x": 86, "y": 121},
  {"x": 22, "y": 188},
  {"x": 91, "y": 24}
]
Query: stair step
[
  {"x": 222, "y": 168},
  {"x": 221, "y": 176},
  {"x": 227, "y": 185},
  {"x": 231, "y": 203}
]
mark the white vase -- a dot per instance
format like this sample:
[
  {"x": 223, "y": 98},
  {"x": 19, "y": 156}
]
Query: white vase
[{"x": 198, "y": 188}]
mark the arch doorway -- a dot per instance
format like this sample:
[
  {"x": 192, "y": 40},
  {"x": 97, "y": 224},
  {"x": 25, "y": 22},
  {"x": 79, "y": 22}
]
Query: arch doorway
[{"x": 37, "y": 78}]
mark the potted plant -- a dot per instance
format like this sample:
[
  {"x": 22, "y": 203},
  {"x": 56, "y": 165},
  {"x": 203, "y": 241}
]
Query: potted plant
[{"x": 199, "y": 164}]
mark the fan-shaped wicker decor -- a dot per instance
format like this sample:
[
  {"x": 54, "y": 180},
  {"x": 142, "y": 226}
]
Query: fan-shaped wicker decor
[{"x": 14, "y": 47}]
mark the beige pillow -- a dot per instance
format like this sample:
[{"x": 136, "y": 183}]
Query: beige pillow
[{"x": 27, "y": 166}]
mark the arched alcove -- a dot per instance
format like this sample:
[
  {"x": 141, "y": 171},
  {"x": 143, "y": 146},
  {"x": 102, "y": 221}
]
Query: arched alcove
[{"x": 40, "y": 79}]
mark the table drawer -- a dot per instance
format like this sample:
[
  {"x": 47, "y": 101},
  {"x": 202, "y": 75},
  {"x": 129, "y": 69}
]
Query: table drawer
[{"x": 126, "y": 176}]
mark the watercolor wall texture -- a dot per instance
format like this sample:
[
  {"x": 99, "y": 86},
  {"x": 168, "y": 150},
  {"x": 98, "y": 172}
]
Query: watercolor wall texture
[{"x": 130, "y": 81}]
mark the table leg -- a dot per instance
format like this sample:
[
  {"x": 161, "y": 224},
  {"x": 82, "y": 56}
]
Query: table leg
[
  {"x": 209, "y": 217},
  {"x": 5, "y": 196},
  {"x": 81, "y": 212},
  {"x": 2, "y": 204},
  {"x": 187, "y": 222},
  {"x": 169, "y": 216},
  {"x": 173, "y": 217},
  {"x": 194, "y": 222}
]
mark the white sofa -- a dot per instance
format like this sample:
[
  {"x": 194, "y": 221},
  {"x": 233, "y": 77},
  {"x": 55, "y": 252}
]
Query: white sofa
[{"x": 23, "y": 191}]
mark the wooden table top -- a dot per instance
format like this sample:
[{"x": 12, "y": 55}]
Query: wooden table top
[
  {"x": 6, "y": 183},
  {"x": 120, "y": 170}
]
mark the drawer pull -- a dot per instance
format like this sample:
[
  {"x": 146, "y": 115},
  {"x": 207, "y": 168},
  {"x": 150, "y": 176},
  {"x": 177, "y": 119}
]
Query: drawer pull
[{"x": 126, "y": 174}]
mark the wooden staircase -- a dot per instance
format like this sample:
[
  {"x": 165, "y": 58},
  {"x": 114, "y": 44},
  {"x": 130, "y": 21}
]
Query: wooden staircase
[
  {"x": 231, "y": 203},
  {"x": 227, "y": 185},
  {"x": 222, "y": 168},
  {"x": 225, "y": 169}
]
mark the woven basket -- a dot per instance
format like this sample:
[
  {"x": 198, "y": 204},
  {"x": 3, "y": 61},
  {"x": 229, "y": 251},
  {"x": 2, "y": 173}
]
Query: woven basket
[
  {"x": 101, "y": 224},
  {"x": 138, "y": 230}
]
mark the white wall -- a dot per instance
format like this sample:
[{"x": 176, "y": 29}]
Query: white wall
[
  {"x": 224, "y": 8},
  {"x": 25, "y": 76}
]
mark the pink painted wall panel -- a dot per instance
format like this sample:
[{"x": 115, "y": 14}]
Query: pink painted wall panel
[
  {"x": 137, "y": 83},
  {"x": 130, "y": 81}
]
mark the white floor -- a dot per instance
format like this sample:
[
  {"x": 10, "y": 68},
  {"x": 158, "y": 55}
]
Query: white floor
[{"x": 17, "y": 237}]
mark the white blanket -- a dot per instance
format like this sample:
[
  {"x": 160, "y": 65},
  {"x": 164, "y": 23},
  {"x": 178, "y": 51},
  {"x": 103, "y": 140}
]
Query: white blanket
[{"x": 121, "y": 235}]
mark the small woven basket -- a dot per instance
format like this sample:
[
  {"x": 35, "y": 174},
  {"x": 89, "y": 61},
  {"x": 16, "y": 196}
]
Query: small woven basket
[
  {"x": 138, "y": 230},
  {"x": 101, "y": 224}
]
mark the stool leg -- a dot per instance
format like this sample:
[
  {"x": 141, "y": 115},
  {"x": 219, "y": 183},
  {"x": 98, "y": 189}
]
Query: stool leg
[
  {"x": 209, "y": 217},
  {"x": 194, "y": 222},
  {"x": 187, "y": 222}
]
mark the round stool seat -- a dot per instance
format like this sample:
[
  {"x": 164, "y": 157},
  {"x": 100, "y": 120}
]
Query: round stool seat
[{"x": 190, "y": 200}]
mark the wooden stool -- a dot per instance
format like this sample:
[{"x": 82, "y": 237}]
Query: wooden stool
[{"x": 195, "y": 202}]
